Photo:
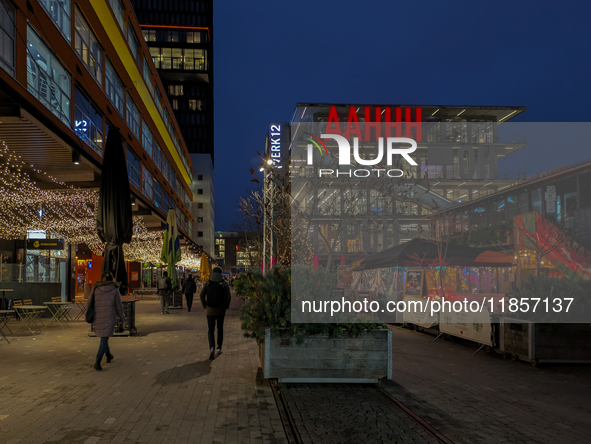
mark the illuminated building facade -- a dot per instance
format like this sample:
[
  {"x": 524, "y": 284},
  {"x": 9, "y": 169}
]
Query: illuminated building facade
[
  {"x": 68, "y": 72},
  {"x": 455, "y": 160}
]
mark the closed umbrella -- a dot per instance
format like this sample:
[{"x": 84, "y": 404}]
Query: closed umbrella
[
  {"x": 114, "y": 222},
  {"x": 204, "y": 268},
  {"x": 171, "y": 248}
]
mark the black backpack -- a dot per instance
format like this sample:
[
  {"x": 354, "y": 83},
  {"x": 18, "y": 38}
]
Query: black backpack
[{"x": 216, "y": 294}]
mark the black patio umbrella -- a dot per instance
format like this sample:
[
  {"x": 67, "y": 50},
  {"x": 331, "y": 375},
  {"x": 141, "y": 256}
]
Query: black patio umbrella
[{"x": 114, "y": 223}]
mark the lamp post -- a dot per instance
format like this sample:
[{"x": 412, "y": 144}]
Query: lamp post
[{"x": 268, "y": 202}]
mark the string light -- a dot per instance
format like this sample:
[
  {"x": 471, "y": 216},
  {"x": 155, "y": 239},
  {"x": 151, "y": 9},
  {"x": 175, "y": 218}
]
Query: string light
[{"x": 66, "y": 213}]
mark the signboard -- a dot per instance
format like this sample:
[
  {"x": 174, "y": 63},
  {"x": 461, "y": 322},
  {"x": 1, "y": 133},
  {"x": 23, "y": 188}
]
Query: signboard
[
  {"x": 134, "y": 276},
  {"x": 413, "y": 314},
  {"x": 45, "y": 244},
  {"x": 414, "y": 284},
  {"x": 473, "y": 326},
  {"x": 550, "y": 197}
]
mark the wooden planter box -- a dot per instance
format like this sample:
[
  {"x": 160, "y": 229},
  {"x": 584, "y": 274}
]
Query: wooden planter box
[
  {"x": 539, "y": 343},
  {"x": 364, "y": 359}
]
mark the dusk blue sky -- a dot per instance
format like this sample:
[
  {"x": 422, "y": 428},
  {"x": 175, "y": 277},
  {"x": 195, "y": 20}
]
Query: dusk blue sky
[{"x": 269, "y": 55}]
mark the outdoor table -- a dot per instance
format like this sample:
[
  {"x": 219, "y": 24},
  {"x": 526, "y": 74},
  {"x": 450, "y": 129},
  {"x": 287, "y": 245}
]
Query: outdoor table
[
  {"x": 59, "y": 311},
  {"x": 29, "y": 315},
  {"x": 4, "y": 304},
  {"x": 4, "y": 318}
]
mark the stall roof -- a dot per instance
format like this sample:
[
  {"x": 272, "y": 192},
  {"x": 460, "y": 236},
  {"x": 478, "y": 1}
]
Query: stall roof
[{"x": 423, "y": 253}]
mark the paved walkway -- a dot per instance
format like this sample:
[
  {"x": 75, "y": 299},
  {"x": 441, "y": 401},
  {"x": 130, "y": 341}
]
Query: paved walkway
[
  {"x": 160, "y": 388},
  {"x": 487, "y": 399}
]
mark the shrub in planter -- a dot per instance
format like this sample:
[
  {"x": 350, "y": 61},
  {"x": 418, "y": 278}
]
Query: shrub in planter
[
  {"x": 268, "y": 306},
  {"x": 544, "y": 287}
]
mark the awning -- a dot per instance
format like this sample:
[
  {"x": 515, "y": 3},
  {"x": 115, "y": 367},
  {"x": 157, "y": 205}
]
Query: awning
[{"x": 422, "y": 253}]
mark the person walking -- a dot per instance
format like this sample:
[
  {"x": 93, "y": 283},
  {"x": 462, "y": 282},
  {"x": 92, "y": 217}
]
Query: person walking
[
  {"x": 215, "y": 298},
  {"x": 189, "y": 289},
  {"x": 164, "y": 290},
  {"x": 107, "y": 306}
]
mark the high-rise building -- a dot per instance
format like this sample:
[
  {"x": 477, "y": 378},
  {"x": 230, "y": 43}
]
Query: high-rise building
[{"x": 179, "y": 35}]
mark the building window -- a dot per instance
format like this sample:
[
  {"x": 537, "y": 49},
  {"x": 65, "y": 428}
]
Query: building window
[
  {"x": 193, "y": 37},
  {"x": 88, "y": 49},
  {"x": 165, "y": 168},
  {"x": 147, "y": 182},
  {"x": 59, "y": 12},
  {"x": 133, "y": 169},
  {"x": 175, "y": 104},
  {"x": 220, "y": 248},
  {"x": 157, "y": 194},
  {"x": 200, "y": 205},
  {"x": 47, "y": 79},
  {"x": 157, "y": 155},
  {"x": 7, "y": 36},
  {"x": 195, "y": 105},
  {"x": 114, "y": 89},
  {"x": 149, "y": 35},
  {"x": 118, "y": 12},
  {"x": 199, "y": 176},
  {"x": 199, "y": 220},
  {"x": 175, "y": 90},
  {"x": 200, "y": 234},
  {"x": 179, "y": 58},
  {"x": 146, "y": 138},
  {"x": 199, "y": 191},
  {"x": 88, "y": 122},
  {"x": 147, "y": 77},
  {"x": 133, "y": 117},
  {"x": 133, "y": 43}
]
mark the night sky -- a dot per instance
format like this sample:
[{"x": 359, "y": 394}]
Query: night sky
[{"x": 269, "y": 55}]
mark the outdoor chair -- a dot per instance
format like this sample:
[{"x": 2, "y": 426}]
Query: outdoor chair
[{"x": 81, "y": 303}]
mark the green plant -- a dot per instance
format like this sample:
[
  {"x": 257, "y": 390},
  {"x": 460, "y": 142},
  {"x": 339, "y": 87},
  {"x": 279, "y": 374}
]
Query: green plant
[
  {"x": 268, "y": 306},
  {"x": 550, "y": 289}
]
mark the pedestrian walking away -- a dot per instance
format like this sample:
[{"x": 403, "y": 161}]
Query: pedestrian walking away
[
  {"x": 215, "y": 298},
  {"x": 107, "y": 307},
  {"x": 189, "y": 289},
  {"x": 164, "y": 290}
]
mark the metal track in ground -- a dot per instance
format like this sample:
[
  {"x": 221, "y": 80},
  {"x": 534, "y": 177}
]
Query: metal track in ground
[
  {"x": 430, "y": 429},
  {"x": 294, "y": 437},
  {"x": 291, "y": 431}
]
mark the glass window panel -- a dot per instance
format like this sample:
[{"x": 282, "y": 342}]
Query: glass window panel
[
  {"x": 133, "y": 117},
  {"x": 7, "y": 36},
  {"x": 47, "y": 79},
  {"x": 114, "y": 89},
  {"x": 59, "y": 12},
  {"x": 146, "y": 138},
  {"x": 147, "y": 182},
  {"x": 88, "y": 48},
  {"x": 133, "y": 168}
]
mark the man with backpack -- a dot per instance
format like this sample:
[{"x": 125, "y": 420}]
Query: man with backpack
[
  {"x": 164, "y": 289},
  {"x": 189, "y": 288},
  {"x": 215, "y": 298}
]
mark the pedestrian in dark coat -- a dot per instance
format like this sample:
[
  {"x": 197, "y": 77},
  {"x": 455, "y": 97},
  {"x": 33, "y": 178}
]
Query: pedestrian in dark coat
[
  {"x": 189, "y": 289},
  {"x": 107, "y": 306},
  {"x": 215, "y": 298}
]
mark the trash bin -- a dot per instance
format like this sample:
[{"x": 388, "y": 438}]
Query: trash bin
[{"x": 176, "y": 299}]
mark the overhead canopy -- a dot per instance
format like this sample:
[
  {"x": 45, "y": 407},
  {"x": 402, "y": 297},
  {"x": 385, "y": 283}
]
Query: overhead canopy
[{"x": 425, "y": 253}]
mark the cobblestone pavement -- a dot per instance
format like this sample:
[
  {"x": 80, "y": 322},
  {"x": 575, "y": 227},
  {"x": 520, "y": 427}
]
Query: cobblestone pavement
[
  {"x": 487, "y": 399},
  {"x": 160, "y": 388},
  {"x": 349, "y": 413}
]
